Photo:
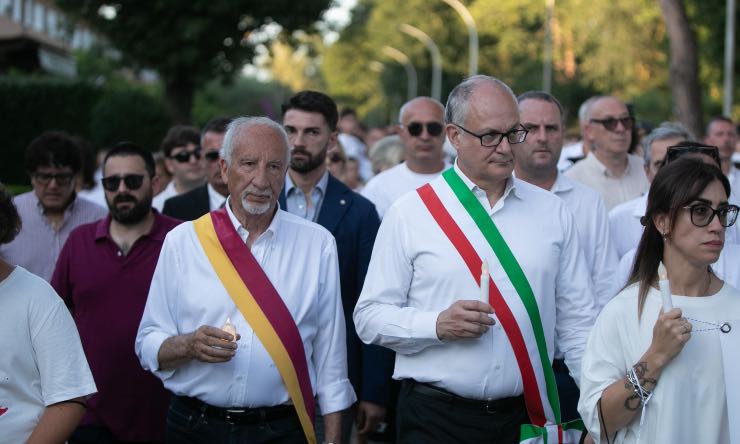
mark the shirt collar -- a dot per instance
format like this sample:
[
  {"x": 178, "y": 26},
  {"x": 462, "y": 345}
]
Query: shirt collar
[
  {"x": 603, "y": 169},
  {"x": 271, "y": 230},
  {"x": 510, "y": 183},
  {"x": 321, "y": 185},
  {"x": 561, "y": 184},
  {"x": 213, "y": 194},
  {"x": 157, "y": 232}
]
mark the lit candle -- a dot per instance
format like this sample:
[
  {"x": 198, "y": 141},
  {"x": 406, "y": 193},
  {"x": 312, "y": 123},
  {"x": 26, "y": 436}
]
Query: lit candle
[
  {"x": 228, "y": 327},
  {"x": 665, "y": 288},
  {"x": 484, "y": 282}
]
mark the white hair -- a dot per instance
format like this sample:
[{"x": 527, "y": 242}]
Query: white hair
[{"x": 238, "y": 125}]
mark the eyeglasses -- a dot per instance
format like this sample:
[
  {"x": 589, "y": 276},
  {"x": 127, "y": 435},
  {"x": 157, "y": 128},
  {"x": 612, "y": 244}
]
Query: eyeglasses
[
  {"x": 494, "y": 138},
  {"x": 611, "y": 123},
  {"x": 62, "y": 179},
  {"x": 212, "y": 156},
  {"x": 132, "y": 181},
  {"x": 676, "y": 151},
  {"x": 184, "y": 156},
  {"x": 434, "y": 129},
  {"x": 702, "y": 214}
]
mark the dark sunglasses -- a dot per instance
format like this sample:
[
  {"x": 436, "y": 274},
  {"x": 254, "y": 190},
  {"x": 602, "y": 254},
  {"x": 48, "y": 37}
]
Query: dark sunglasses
[
  {"x": 184, "y": 156},
  {"x": 212, "y": 156},
  {"x": 677, "y": 151},
  {"x": 434, "y": 129},
  {"x": 62, "y": 179},
  {"x": 611, "y": 123},
  {"x": 702, "y": 214},
  {"x": 132, "y": 181}
]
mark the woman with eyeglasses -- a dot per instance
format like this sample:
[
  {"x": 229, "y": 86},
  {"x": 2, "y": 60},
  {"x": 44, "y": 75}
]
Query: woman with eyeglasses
[{"x": 656, "y": 376}]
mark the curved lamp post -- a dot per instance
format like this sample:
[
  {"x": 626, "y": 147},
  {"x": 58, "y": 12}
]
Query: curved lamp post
[
  {"x": 404, "y": 60},
  {"x": 433, "y": 52},
  {"x": 472, "y": 34}
]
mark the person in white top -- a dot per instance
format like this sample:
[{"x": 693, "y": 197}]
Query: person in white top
[
  {"x": 575, "y": 152},
  {"x": 237, "y": 383},
  {"x": 722, "y": 133},
  {"x": 609, "y": 169},
  {"x": 182, "y": 157},
  {"x": 536, "y": 162},
  {"x": 421, "y": 129},
  {"x": 624, "y": 219},
  {"x": 44, "y": 376},
  {"x": 653, "y": 370},
  {"x": 453, "y": 355}
]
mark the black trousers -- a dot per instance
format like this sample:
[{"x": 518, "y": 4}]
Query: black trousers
[
  {"x": 424, "y": 419},
  {"x": 567, "y": 391}
]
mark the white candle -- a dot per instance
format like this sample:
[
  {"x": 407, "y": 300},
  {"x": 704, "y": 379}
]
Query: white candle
[
  {"x": 484, "y": 282},
  {"x": 665, "y": 288},
  {"x": 228, "y": 327}
]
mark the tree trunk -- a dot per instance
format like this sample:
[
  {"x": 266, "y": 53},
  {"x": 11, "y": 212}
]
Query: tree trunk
[
  {"x": 684, "y": 66},
  {"x": 179, "y": 96}
]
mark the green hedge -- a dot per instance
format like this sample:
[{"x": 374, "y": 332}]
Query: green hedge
[{"x": 32, "y": 105}]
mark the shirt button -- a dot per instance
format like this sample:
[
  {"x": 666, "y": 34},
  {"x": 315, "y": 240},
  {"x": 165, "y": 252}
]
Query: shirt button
[
  {"x": 120, "y": 253},
  {"x": 498, "y": 367}
]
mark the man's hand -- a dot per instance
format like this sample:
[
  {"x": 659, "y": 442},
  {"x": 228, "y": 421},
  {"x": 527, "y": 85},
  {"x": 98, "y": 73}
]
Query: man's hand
[
  {"x": 206, "y": 344},
  {"x": 464, "y": 319},
  {"x": 369, "y": 415}
]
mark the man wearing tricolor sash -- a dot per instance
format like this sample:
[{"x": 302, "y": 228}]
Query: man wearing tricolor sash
[
  {"x": 474, "y": 351},
  {"x": 244, "y": 320}
]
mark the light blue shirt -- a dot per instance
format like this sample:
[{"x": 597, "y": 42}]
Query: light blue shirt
[{"x": 295, "y": 199}]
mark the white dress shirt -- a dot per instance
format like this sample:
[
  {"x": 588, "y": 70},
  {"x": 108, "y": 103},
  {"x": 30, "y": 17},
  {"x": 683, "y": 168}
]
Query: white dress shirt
[
  {"x": 624, "y": 224},
  {"x": 388, "y": 186},
  {"x": 216, "y": 200},
  {"x": 169, "y": 191},
  {"x": 614, "y": 190},
  {"x": 592, "y": 225},
  {"x": 415, "y": 273},
  {"x": 300, "y": 259}
]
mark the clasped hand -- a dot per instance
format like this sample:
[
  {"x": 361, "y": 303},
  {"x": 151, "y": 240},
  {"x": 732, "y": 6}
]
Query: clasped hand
[{"x": 464, "y": 319}]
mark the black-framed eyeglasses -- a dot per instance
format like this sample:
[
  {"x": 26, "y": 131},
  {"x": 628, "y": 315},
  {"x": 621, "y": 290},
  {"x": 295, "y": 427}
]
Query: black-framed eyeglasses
[
  {"x": 676, "y": 151},
  {"x": 212, "y": 156},
  {"x": 62, "y": 179},
  {"x": 493, "y": 139},
  {"x": 184, "y": 156},
  {"x": 611, "y": 123},
  {"x": 702, "y": 214},
  {"x": 434, "y": 129},
  {"x": 132, "y": 181}
]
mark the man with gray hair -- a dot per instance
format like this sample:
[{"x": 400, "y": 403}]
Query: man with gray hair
[
  {"x": 624, "y": 219},
  {"x": 421, "y": 128},
  {"x": 474, "y": 279},
  {"x": 244, "y": 318}
]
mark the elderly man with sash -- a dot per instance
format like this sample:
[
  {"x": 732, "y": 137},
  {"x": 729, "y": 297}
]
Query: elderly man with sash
[
  {"x": 473, "y": 280},
  {"x": 244, "y": 319}
]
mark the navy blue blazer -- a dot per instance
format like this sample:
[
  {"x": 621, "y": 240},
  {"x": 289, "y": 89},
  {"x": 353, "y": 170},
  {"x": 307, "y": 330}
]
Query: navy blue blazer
[
  {"x": 188, "y": 206},
  {"x": 353, "y": 221}
]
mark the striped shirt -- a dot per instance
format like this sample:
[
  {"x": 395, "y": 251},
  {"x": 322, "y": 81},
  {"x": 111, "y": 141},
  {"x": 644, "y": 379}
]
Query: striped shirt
[{"x": 37, "y": 246}]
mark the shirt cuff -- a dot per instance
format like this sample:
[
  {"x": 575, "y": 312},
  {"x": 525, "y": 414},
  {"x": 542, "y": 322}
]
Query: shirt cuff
[
  {"x": 336, "y": 397},
  {"x": 424, "y": 326},
  {"x": 149, "y": 357}
]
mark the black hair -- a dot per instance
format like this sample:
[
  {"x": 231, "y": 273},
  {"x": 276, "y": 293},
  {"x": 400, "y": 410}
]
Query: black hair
[
  {"x": 10, "y": 221},
  {"x": 314, "y": 102},
  {"x": 52, "y": 148},
  {"x": 131, "y": 149},
  {"x": 216, "y": 125},
  {"x": 177, "y": 136}
]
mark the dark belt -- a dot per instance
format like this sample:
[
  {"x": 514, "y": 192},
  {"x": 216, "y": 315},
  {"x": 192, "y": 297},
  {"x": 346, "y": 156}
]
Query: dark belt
[
  {"x": 240, "y": 416},
  {"x": 490, "y": 406}
]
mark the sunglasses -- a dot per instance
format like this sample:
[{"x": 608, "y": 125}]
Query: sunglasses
[
  {"x": 702, "y": 214},
  {"x": 184, "y": 156},
  {"x": 611, "y": 123},
  {"x": 434, "y": 129},
  {"x": 212, "y": 156},
  {"x": 677, "y": 151},
  {"x": 62, "y": 179},
  {"x": 132, "y": 181}
]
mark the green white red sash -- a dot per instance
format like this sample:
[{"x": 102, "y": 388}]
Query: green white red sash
[
  {"x": 262, "y": 307},
  {"x": 518, "y": 313}
]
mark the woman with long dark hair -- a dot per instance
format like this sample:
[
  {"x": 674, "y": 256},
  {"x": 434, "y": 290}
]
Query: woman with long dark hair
[{"x": 652, "y": 375}]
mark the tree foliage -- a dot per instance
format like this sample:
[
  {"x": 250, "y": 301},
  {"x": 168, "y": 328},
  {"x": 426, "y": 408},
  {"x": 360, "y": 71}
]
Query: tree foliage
[{"x": 189, "y": 43}]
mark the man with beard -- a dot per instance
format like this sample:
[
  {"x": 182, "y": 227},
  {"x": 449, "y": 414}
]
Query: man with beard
[
  {"x": 51, "y": 210},
  {"x": 103, "y": 275},
  {"x": 311, "y": 192}
]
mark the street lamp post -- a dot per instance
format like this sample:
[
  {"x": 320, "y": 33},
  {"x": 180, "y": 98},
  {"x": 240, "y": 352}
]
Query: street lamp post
[
  {"x": 433, "y": 52},
  {"x": 403, "y": 59},
  {"x": 472, "y": 34},
  {"x": 547, "y": 57},
  {"x": 729, "y": 57}
]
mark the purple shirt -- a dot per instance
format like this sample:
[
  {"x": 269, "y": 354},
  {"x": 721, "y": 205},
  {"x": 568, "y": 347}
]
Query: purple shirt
[
  {"x": 37, "y": 246},
  {"x": 106, "y": 291}
]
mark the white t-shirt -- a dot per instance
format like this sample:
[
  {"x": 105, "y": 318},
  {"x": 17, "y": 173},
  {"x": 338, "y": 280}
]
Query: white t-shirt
[
  {"x": 42, "y": 359},
  {"x": 388, "y": 186},
  {"x": 689, "y": 401}
]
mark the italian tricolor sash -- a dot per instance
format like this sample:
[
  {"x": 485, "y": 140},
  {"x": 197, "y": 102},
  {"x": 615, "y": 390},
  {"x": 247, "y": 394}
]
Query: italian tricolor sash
[
  {"x": 518, "y": 313},
  {"x": 262, "y": 307}
]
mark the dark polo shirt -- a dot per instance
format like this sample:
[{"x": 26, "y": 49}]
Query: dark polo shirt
[{"x": 106, "y": 291}]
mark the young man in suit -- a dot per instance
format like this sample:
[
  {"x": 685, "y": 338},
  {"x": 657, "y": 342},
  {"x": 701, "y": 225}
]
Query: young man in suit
[{"x": 310, "y": 119}]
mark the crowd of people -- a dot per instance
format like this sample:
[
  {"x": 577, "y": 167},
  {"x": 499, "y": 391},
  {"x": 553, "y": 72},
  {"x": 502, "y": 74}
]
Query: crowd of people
[{"x": 460, "y": 277}]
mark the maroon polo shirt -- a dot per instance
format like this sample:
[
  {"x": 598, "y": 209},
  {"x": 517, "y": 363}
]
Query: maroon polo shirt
[{"x": 106, "y": 292}]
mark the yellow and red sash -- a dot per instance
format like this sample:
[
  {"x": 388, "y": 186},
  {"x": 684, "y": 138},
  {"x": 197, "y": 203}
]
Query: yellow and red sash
[{"x": 262, "y": 307}]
